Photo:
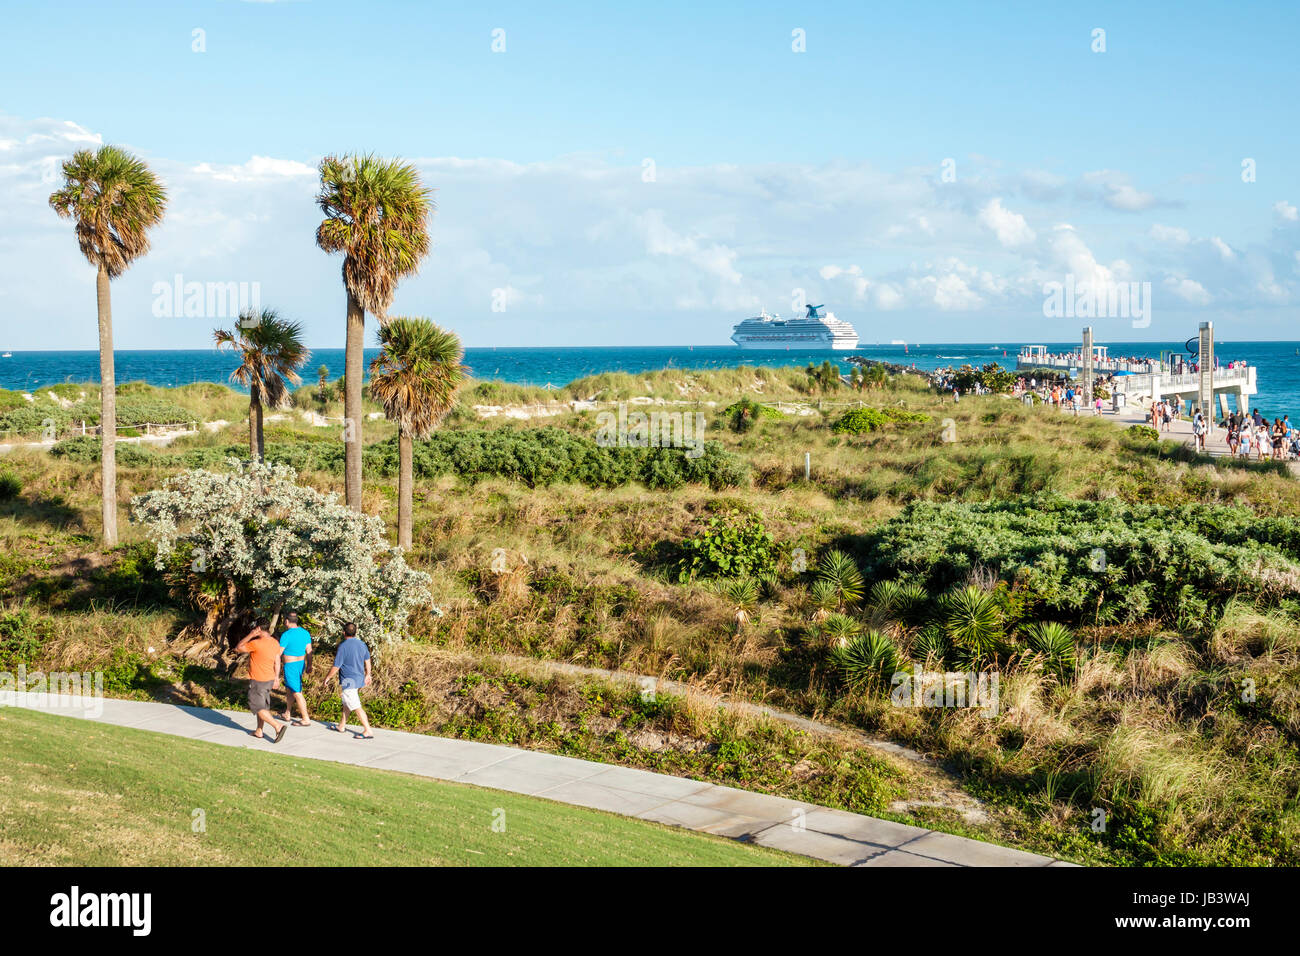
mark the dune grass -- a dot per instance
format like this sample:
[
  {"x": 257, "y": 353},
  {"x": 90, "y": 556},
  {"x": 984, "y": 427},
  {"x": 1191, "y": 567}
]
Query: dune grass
[
  {"x": 1151, "y": 726},
  {"x": 76, "y": 793}
]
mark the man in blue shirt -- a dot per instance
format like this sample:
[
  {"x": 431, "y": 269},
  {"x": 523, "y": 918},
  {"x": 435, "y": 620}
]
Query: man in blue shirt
[
  {"x": 295, "y": 646},
  {"x": 352, "y": 665}
]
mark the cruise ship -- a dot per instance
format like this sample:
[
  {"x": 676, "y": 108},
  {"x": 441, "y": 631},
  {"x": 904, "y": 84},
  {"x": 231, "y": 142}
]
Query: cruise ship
[{"x": 811, "y": 331}]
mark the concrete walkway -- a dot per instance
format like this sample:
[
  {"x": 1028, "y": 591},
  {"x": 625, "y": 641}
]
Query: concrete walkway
[
  {"x": 1180, "y": 430},
  {"x": 848, "y": 839}
]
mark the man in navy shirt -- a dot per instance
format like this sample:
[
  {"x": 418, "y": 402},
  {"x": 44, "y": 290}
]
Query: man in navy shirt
[{"x": 352, "y": 665}]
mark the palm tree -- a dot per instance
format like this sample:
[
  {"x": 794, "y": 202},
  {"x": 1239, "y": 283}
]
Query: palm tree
[
  {"x": 376, "y": 214},
  {"x": 115, "y": 199},
  {"x": 271, "y": 352},
  {"x": 415, "y": 377},
  {"x": 322, "y": 375}
]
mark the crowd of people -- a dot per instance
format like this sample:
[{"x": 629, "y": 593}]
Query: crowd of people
[
  {"x": 1247, "y": 433},
  {"x": 1062, "y": 394},
  {"x": 1112, "y": 363},
  {"x": 1279, "y": 441},
  {"x": 287, "y": 661}
]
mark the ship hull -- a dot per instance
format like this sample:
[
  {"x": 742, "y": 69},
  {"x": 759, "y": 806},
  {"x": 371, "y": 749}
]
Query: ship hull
[{"x": 840, "y": 345}]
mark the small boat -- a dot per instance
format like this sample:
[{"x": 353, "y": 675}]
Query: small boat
[{"x": 7, "y": 355}]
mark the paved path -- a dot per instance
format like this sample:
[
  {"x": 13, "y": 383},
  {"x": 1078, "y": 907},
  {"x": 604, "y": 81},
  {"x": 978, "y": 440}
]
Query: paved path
[
  {"x": 1180, "y": 430},
  {"x": 849, "y": 839}
]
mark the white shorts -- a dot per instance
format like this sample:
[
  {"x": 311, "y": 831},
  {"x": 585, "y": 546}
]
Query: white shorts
[{"x": 351, "y": 698}]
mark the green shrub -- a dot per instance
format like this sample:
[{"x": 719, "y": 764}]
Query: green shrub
[
  {"x": 11, "y": 486},
  {"x": 859, "y": 421},
  {"x": 10, "y": 400},
  {"x": 734, "y": 544},
  {"x": 746, "y": 413},
  {"x": 21, "y": 636},
  {"x": 32, "y": 418},
  {"x": 1144, "y": 432},
  {"x": 86, "y": 449},
  {"x": 534, "y": 456},
  {"x": 1171, "y": 563}
]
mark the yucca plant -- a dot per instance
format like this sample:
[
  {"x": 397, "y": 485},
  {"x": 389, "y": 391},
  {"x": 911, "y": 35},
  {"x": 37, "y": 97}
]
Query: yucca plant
[
  {"x": 838, "y": 629},
  {"x": 825, "y": 597},
  {"x": 1054, "y": 641},
  {"x": 743, "y": 594},
  {"x": 842, "y": 573},
  {"x": 865, "y": 660},
  {"x": 972, "y": 619},
  {"x": 886, "y": 597},
  {"x": 913, "y": 597},
  {"x": 930, "y": 643}
]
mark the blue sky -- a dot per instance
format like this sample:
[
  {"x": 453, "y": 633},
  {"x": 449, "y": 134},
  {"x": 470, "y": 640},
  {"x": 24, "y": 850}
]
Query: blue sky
[{"x": 775, "y": 171}]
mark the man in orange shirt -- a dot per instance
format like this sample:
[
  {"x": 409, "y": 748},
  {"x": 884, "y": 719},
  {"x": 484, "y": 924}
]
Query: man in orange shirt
[{"x": 263, "y": 675}]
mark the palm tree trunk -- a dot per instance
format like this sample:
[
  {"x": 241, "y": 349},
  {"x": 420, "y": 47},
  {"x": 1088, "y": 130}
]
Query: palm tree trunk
[
  {"x": 107, "y": 409},
  {"x": 254, "y": 424},
  {"x": 353, "y": 359},
  {"x": 405, "y": 476}
]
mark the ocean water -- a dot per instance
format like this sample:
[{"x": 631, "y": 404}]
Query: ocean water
[{"x": 1278, "y": 377}]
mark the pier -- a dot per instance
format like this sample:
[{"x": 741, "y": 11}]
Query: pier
[{"x": 1141, "y": 381}]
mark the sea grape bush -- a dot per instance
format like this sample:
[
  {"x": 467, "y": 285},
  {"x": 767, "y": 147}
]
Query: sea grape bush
[
  {"x": 256, "y": 539},
  {"x": 30, "y": 418},
  {"x": 1174, "y": 563},
  {"x": 537, "y": 456},
  {"x": 992, "y": 376},
  {"x": 86, "y": 449},
  {"x": 859, "y": 421},
  {"x": 733, "y": 545}
]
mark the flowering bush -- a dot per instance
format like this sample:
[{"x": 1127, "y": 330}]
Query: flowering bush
[{"x": 254, "y": 539}]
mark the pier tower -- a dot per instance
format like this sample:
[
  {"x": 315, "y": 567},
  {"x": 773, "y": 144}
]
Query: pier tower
[
  {"x": 1205, "y": 376},
  {"x": 1087, "y": 366}
]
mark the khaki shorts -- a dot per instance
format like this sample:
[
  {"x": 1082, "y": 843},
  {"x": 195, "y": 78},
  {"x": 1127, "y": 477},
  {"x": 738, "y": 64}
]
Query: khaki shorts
[
  {"x": 351, "y": 698},
  {"x": 259, "y": 695}
]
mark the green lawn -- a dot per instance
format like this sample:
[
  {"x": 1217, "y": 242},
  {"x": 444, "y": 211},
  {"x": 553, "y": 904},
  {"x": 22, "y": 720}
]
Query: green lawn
[{"x": 74, "y": 792}]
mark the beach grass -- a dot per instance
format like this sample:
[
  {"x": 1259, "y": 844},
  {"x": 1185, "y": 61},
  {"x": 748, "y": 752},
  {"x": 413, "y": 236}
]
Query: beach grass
[{"x": 1150, "y": 727}]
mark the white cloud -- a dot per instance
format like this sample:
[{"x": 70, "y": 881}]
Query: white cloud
[
  {"x": 1113, "y": 189},
  {"x": 1010, "y": 227},
  {"x": 1286, "y": 211},
  {"x": 259, "y": 167},
  {"x": 1223, "y": 248},
  {"x": 1189, "y": 290},
  {"x": 1170, "y": 234},
  {"x": 586, "y": 251}
]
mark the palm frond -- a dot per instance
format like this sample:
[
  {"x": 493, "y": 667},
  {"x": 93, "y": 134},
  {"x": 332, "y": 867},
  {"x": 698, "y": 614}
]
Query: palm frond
[
  {"x": 416, "y": 374},
  {"x": 115, "y": 199}
]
